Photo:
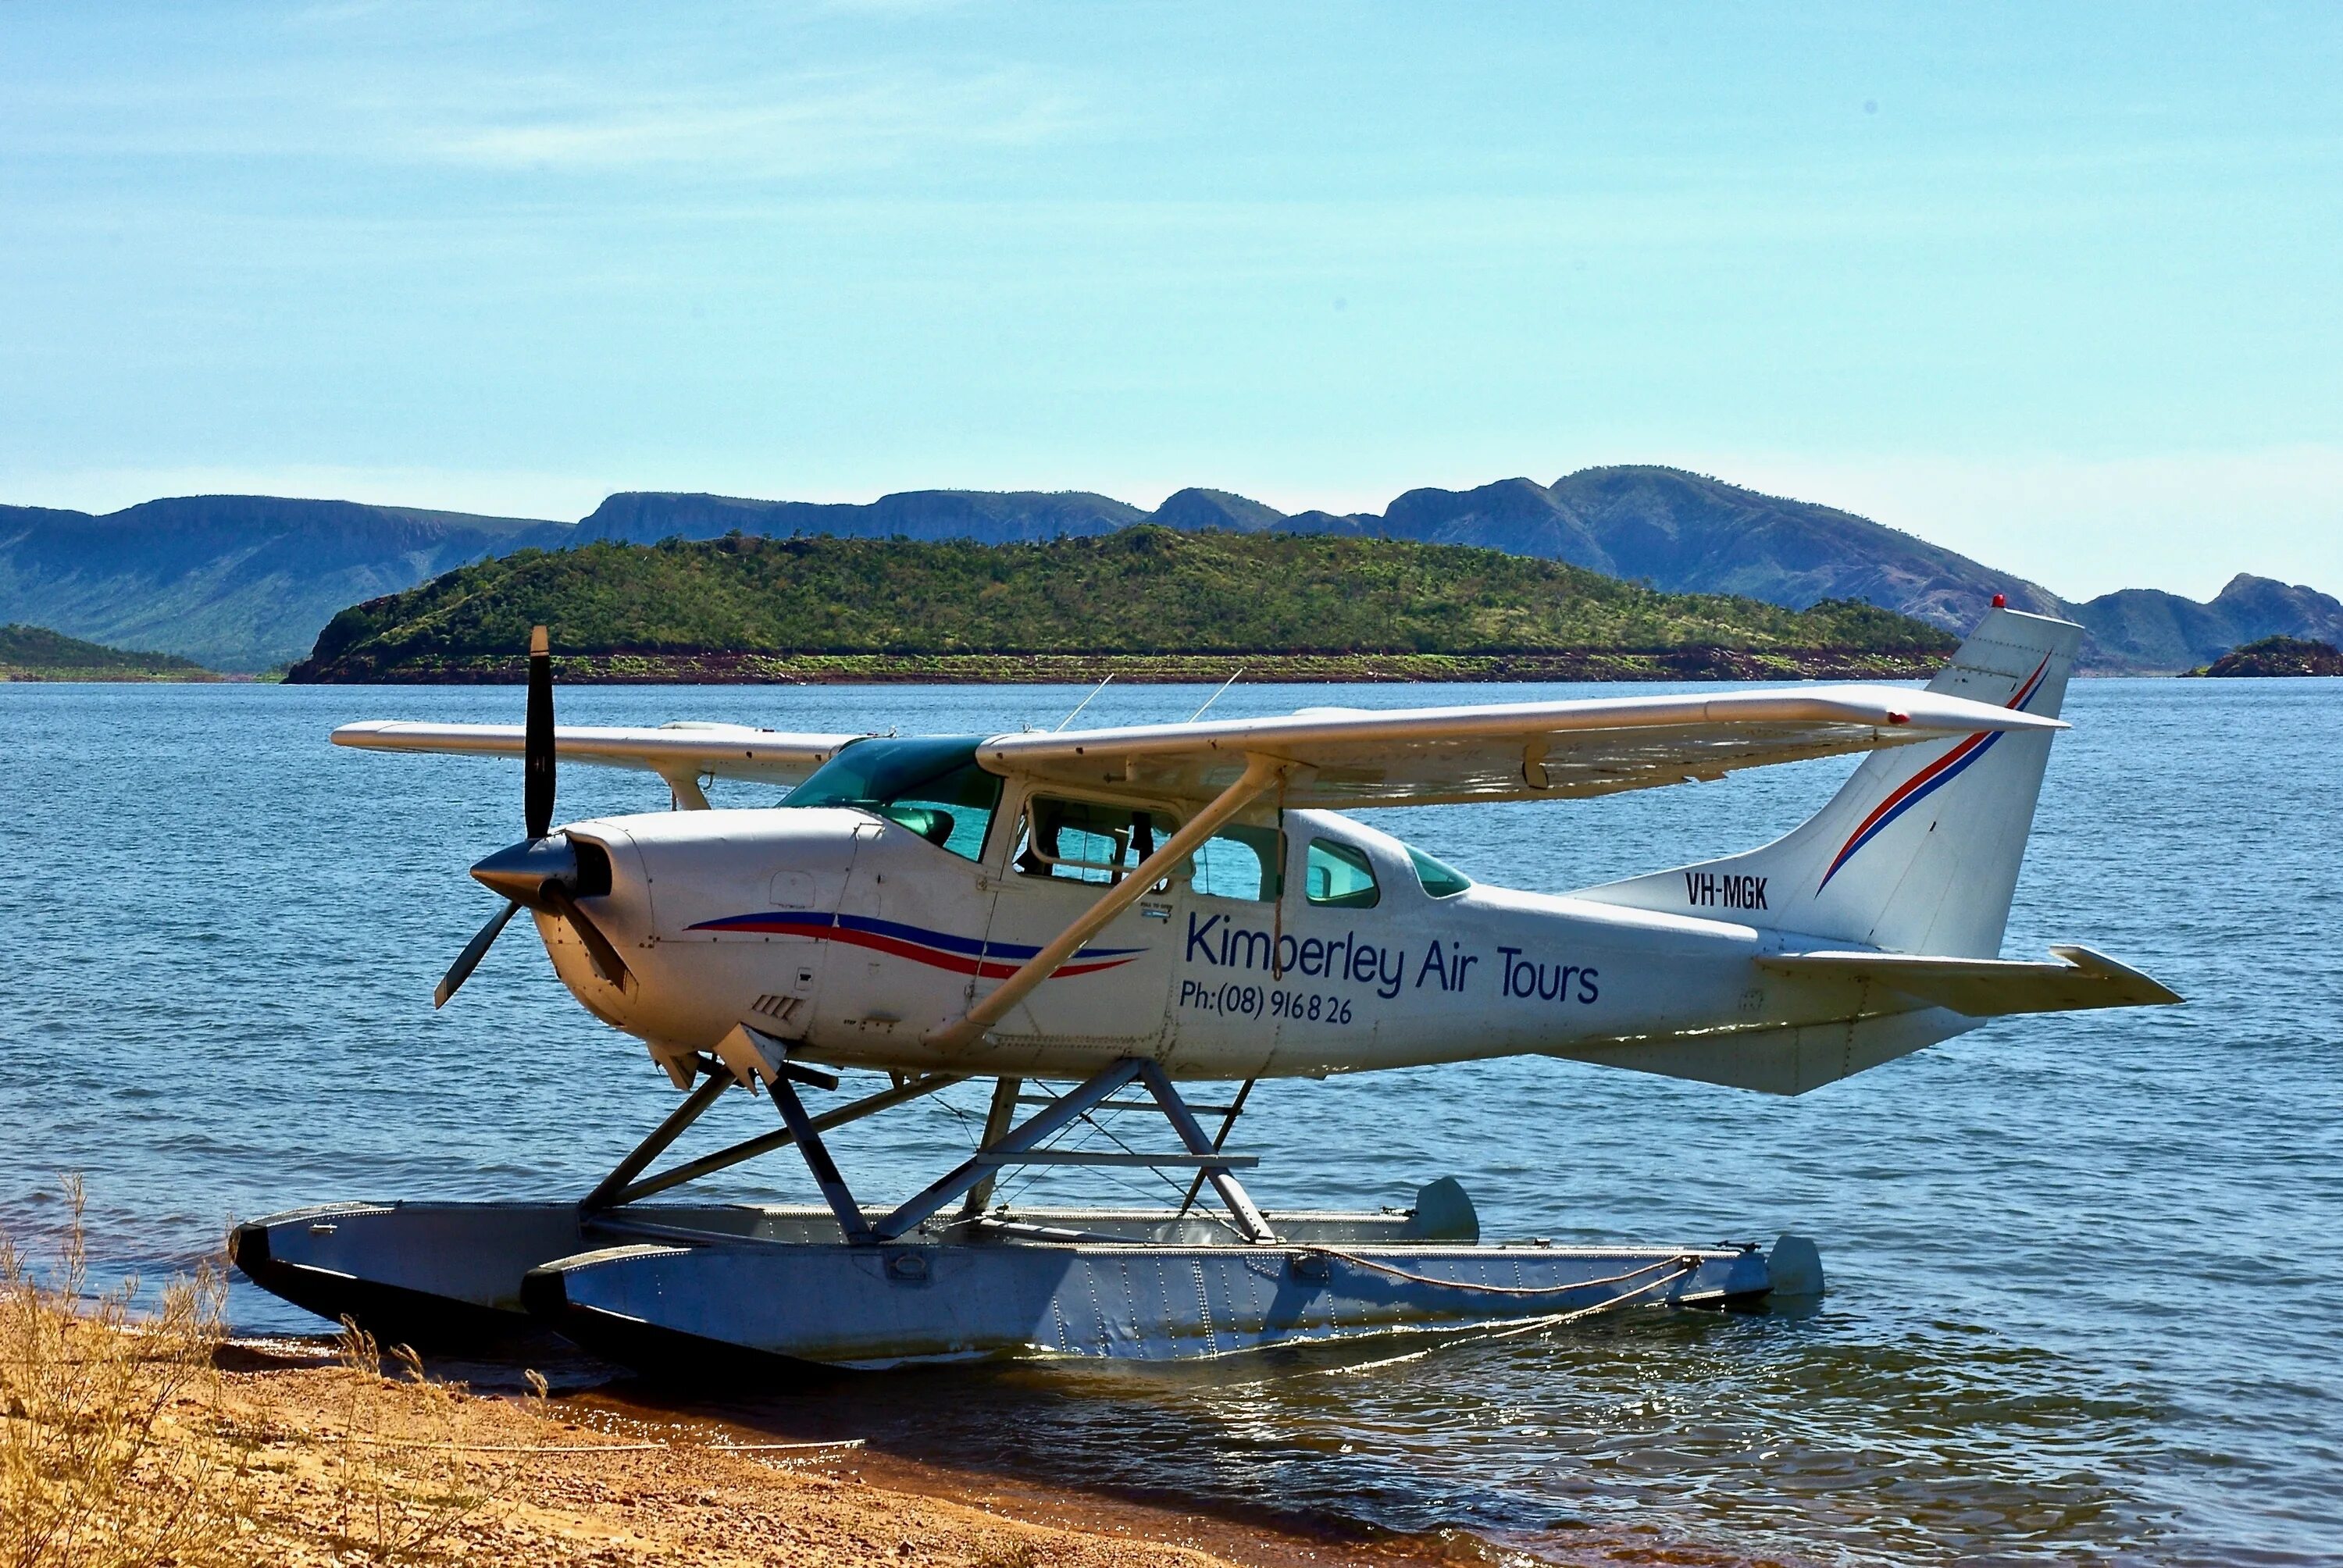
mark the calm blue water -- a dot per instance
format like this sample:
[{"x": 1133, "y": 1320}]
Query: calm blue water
[{"x": 2084, "y": 1271}]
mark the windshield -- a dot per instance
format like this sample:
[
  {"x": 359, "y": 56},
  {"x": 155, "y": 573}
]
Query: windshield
[{"x": 931, "y": 784}]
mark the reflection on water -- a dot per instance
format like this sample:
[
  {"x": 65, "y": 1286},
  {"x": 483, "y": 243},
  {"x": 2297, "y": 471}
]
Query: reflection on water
[
  {"x": 1798, "y": 1435},
  {"x": 2083, "y": 1284}
]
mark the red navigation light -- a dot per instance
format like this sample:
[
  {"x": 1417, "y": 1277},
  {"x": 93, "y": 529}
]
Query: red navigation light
[
  {"x": 1895, "y": 718},
  {"x": 2001, "y": 601}
]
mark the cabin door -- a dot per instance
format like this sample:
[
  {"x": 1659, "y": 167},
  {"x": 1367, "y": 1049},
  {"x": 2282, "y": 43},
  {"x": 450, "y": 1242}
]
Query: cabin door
[{"x": 1117, "y": 990}]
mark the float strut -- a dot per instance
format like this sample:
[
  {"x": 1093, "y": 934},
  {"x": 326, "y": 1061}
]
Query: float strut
[
  {"x": 607, "y": 1193},
  {"x": 1099, "y": 1087},
  {"x": 1184, "y": 1122},
  {"x": 1235, "y": 1108},
  {"x": 834, "y": 1191},
  {"x": 868, "y": 1105},
  {"x": 1002, "y": 1111}
]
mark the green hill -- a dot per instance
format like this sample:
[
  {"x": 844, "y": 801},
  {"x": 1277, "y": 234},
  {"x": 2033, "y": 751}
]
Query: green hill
[
  {"x": 2277, "y": 656},
  {"x": 36, "y": 653},
  {"x": 1147, "y": 602}
]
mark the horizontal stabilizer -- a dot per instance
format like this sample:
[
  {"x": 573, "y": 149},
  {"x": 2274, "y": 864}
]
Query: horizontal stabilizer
[{"x": 1986, "y": 988}]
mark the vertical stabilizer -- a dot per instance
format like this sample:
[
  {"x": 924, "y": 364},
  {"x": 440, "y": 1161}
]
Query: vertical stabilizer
[{"x": 1919, "y": 853}]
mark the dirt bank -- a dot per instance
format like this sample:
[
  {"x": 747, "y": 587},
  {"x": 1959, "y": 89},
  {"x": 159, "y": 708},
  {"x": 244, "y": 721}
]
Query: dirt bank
[
  {"x": 489, "y": 1478},
  {"x": 135, "y": 1432},
  {"x": 132, "y": 1441},
  {"x": 452, "y": 1476}
]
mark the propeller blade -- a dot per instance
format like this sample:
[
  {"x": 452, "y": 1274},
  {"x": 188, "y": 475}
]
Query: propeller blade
[
  {"x": 474, "y": 951},
  {"x": 606, "y": 957},
  {"x": 536, "y": 745},
  {"x": 516, "y": 869}
]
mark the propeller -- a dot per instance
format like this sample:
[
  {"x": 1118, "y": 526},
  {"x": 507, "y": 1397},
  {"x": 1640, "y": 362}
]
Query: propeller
[
  {"x": 474, "y": 951},
  {"x": 541, "y": 871},
  {"x": 537, "y": 738}
]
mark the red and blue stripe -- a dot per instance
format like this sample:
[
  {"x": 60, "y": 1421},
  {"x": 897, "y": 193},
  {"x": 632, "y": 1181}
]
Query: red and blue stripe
[
  {"x": 1930, "y": 780},
  {"x": 937, "y": 950}
]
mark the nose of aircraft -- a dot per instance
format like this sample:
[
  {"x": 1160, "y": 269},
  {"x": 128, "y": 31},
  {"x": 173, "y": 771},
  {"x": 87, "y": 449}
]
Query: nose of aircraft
[
  {"x": 520, "y": 871},
  {"x": 550, "y": 875}
]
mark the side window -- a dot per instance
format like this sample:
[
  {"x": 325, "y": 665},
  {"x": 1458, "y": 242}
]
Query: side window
[
  {"x": 1082, "y": 841},
  {"x": 1238, "y": 862},
  {"x": 1441, "y": 881},
  {"x": 951, "y": 810},
  {"x": 1338, "y": 875}
]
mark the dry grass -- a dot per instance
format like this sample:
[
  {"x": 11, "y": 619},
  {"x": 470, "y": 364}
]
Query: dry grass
[
  {"x": 106, "y": 1455},
  {"x": 124, "y": 1445},
  {"x": 404, "y": 1472}
]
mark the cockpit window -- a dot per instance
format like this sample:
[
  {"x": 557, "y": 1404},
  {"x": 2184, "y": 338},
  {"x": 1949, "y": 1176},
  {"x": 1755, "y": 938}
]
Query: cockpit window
[
  {"x": 1339, "y": 877},
  {"x": 1440, "y": 881},
  {"x": 930, "y": 785}
]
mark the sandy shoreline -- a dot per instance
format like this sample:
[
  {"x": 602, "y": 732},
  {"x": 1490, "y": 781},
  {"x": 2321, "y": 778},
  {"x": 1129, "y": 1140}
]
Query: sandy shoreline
[
  {"x": 587, "y": 1477},
  {"x": 150, "y": 1435},
  {"x": 156, "y": 1436}
]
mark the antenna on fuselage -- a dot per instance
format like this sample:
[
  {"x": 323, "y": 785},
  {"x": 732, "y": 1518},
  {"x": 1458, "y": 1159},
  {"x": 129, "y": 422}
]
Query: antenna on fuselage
[
  {"x": 1085, "y": 702},
  {"x": 1232, "y": 681}
]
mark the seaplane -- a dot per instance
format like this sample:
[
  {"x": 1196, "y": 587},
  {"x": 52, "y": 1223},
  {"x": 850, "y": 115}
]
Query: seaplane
[{"x": 1097, "y": 921}]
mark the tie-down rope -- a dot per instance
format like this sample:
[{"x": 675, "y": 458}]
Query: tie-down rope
[{"x": 1684, "y": 1264}]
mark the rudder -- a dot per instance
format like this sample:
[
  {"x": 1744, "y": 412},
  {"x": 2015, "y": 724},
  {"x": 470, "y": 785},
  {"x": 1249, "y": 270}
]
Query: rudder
[{"x": 1919, "y": 852}]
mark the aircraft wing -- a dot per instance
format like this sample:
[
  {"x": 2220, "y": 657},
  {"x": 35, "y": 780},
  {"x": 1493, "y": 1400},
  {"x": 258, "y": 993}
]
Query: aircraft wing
[
  {"x": 1353, "y": 758},
  {"x": 680, "y": 753}
]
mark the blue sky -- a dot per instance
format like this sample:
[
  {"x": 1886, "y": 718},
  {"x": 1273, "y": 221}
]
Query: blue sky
[{"x": 2053, "y": 285}]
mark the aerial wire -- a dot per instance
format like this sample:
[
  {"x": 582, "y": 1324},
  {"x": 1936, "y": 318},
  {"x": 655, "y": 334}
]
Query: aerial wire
[
  {"x": 1085, "y": 702},
  {"x": 1232, "y": 681}
]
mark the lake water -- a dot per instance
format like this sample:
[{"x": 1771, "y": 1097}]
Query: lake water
[{"x": 2085, "y": 1271}]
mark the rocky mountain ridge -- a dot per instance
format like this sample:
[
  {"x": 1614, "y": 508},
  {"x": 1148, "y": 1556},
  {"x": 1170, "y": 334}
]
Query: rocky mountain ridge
[
  {"x": 234, "y": 582},
  {"x": 247, "y": 582}
]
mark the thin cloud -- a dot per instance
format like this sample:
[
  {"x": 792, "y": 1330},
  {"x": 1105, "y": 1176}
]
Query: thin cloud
[
  {"x": 742, "y": 120},
  {"x": 801, "y": 126}
]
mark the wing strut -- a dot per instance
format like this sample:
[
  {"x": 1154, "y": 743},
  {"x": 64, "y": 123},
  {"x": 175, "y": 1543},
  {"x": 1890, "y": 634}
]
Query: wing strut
[{"x": 1260, "y": 775}]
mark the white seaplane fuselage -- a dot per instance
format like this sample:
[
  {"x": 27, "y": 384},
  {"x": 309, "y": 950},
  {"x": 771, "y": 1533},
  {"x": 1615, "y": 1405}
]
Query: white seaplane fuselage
[
  {"x": 1105, "y": 911},
  {"x": 1045, "y": 904},
  {"x": 856, "y": 938}
]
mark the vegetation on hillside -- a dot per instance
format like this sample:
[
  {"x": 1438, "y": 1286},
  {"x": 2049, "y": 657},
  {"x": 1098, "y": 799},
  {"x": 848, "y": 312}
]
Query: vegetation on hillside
[
  {"x": 1143, "y": 593},
  {"x": 36, "y": 653},
  {"x": 2277, "y": 656},
  {"x": 243, "y": 583}
]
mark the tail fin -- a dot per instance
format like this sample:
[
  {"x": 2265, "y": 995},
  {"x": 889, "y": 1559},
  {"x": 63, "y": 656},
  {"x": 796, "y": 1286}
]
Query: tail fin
[{"x": 1919, "y": 853}]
